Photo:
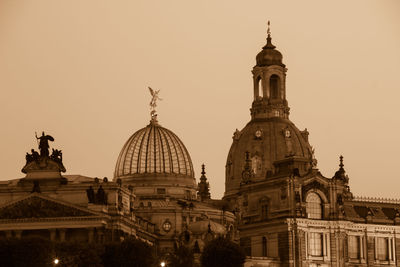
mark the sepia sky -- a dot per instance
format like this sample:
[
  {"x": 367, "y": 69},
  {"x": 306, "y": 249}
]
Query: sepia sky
[{"x": 79, "y": 70}]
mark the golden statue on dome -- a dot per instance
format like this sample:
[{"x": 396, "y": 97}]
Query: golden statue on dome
[{"x": 153, "y": 102}]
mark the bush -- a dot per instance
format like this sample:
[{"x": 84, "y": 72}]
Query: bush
[
  {"x": 72, "y": 254},
  {"x": 130, "y": 252},
  {"x": 30, "y": 251},
  {"x": 182, "y": 257}
]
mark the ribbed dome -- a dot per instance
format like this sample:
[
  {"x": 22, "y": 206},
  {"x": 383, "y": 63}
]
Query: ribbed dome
[{"x": 154, "y": 150}]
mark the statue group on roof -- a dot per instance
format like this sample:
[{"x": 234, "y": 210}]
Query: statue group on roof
[{"x": 43, "y": 146}]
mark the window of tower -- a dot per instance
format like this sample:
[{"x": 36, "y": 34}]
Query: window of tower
[
  {"x": 274, "y": 86},
  {"x": 258, "y": 88},
  {"x": 314, "y": 206}
]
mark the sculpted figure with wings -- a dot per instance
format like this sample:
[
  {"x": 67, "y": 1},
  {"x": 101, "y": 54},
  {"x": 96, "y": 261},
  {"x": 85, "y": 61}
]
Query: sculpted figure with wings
[{"x": 153, "y": 102}]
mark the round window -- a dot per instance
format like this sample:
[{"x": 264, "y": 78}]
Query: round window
[{"x": 167, "y": 226}]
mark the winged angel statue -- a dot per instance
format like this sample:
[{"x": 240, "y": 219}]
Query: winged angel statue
[{"x": 153, "y": 102}]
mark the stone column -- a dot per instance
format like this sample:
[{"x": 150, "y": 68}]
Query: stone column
[
  {"x": 100, "y": 236},
  {"x": 18, "y": 234},
  {"x": 62, "y": 234},
  {"x": 90, "y": 234},
  {"x": 8, "y": 234},
  {"x": 53, "y": 235}
]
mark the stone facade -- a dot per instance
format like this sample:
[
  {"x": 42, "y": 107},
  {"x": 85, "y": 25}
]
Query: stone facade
[{"x": 288, "y": 213}]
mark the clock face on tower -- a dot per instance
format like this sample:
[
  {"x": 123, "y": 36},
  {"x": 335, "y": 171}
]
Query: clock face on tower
[{"x": 258, "y": 134}]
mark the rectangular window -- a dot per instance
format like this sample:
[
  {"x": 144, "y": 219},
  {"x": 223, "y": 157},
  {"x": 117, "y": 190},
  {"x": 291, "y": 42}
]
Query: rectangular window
[
  {"x": 382, "y": 248},
  {"x": 160, "y": 191},
  {"x": 315, "y": 244},
  {"x": 354, "y": 245},
  {"x": 272, "y": 247}
]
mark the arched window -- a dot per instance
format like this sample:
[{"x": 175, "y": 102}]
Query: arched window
[
  {"x": 258, "y": 90},
  {"x": 314, "y": 206},
  {"x": 274, "y": 86}
]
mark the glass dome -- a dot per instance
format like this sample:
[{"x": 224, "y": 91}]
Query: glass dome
[{"x": 154, "y": 150}]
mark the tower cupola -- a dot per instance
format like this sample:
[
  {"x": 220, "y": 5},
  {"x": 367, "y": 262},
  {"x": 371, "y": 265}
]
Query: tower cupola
[{"x": 269, "y": 75}]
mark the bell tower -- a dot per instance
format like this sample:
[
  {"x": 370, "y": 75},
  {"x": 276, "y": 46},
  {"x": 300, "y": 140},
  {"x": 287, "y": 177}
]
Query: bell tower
[{"x": 269, "y": 78}]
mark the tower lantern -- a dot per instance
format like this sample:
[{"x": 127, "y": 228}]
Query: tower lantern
[{"x": 269, "y": 75}]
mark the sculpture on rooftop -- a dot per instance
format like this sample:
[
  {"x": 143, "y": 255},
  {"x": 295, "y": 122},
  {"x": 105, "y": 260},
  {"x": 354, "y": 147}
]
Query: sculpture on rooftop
[
  {"x": 153, "y": 102},
  {"x": 36, "y": 161},
  {"x": 44, "y": 143}
]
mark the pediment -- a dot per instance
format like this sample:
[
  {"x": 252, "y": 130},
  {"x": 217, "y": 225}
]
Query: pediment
[
  {"x": 316, "y": 183},
  {"x": 36, "y": 206}
]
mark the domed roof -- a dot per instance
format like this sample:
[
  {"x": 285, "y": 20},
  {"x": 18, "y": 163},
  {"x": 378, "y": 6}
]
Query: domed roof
[
  {"x": 154, "y": 150},
  {"x": 267, "y": 141},
  {"x": 269, "y": 55},
  {"x": 201, "y": 227}
]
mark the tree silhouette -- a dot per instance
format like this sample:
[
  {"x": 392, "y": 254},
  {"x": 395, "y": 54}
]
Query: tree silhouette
[
  {"x": 222, "y": 252},
  {"x": 182, "y": 257},
  {"x": 128, "y": 253}
]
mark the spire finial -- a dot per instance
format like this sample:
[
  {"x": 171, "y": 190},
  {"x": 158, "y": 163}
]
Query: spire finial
[
  {"x": 203, "y": 188},
  {"x": 341, "y": 165},
  {"x": 269, "y": 44}
]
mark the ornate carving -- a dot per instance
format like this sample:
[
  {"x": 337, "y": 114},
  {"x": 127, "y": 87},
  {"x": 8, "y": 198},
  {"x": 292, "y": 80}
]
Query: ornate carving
[
  {"x": 314, "y": 161},
  {"x": 236, "y": 135},
  {"x": 56, "y": 155},
  {"x": 34, "y": 156},
  {"x": 256, "y": 164},
  {"x": 43, "y": 163},
  {"x": 288, "y": 141},
  {"x": 36, "y": 207},
  {"x": 247, "y": 172}
]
